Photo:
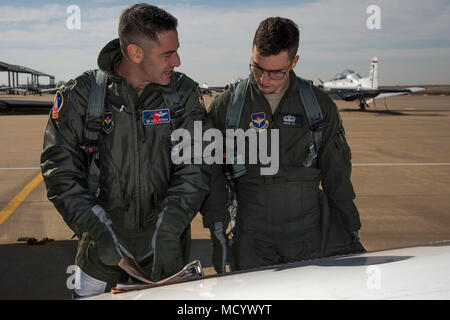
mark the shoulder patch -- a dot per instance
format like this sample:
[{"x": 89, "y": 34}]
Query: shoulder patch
[{"x": 57, "y": 104}]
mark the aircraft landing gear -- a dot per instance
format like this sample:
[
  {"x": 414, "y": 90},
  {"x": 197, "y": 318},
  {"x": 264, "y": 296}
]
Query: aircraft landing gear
[{"x": 363, "y": 104}]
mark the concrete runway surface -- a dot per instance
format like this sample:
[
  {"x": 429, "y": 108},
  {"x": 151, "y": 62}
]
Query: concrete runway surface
[{"x": 401, "y": 175}]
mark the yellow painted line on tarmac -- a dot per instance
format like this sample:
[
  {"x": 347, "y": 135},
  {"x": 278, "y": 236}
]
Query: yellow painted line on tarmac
[{"x": 19, "y": 198}]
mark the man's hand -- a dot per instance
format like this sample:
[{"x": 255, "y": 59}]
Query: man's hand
[
  {"x": 109, "y": 248},
  {"x": 107, "y": 251},
  {"x": 166, "y": 243},
  {"x": 221, "y": 252},
  {"x": 167, "y": 258}
]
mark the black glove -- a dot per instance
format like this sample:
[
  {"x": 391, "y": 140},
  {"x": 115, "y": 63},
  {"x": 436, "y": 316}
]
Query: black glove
[
  {"x": 357, "y": 245},
  {"x": 109, "y": 248},
  {"x": 166, "y": 242},
  {"x": 107, "y": 251},
  {"x": 221, "y": 252}
]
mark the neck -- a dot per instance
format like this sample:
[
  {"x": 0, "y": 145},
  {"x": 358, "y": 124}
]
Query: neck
[
  {"x": 285, "y": 85},
  {"x": 132, "y": 74}
]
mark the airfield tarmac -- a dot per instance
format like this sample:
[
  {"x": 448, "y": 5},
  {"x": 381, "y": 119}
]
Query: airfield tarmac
[{"x": 401, "y": 173}]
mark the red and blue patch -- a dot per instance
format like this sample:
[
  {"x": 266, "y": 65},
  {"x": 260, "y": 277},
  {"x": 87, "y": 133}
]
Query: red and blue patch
[
  {"x": 259, "y": 122},
  {"x": 156, "y": 116},
  {"x": 57, "y": 104}
]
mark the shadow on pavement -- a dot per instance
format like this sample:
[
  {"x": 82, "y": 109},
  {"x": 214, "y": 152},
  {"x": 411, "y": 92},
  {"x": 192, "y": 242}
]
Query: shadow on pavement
[{"x": 39, "y": 271}]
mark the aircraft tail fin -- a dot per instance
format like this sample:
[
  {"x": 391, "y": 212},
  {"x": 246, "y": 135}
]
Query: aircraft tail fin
[{"x": 373, "y": 73}]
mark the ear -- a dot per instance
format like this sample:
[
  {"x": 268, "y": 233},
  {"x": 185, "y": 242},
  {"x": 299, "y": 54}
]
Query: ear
[
  {"x": 294, "y": 62},
  {"x": 135, "y": 53}
]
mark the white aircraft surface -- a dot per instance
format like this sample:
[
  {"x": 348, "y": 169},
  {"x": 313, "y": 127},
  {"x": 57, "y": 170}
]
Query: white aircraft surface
[
  {"x": 419, "y": 272},
  {"x": 206, "y": 89},
  {"x": 349, "y": 86}
]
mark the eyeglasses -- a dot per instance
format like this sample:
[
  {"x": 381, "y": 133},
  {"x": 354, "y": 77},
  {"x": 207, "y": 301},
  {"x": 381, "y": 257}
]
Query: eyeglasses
[{"x": 273, "y": 74}]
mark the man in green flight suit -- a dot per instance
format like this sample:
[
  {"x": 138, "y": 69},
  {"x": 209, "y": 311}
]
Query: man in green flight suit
[
  {"x": 144, "y": 203},
  {"x": 286, "y": 216}
]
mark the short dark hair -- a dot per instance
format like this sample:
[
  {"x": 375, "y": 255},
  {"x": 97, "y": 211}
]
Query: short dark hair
[
  {"x": 276, "y": 34},
  {"x": 143, "y": 21}
]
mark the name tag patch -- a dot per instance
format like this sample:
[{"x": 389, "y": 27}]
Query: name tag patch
[
  {"x": 156, "y": 116},
  {"x": 289, "y": 120}
]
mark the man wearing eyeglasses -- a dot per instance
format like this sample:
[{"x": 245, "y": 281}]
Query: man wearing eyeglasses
[{"x": 284, "y": 217}]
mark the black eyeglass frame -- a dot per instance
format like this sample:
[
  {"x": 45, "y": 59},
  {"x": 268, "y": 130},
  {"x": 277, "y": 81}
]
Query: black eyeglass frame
[{"x": 269, "y": 72}]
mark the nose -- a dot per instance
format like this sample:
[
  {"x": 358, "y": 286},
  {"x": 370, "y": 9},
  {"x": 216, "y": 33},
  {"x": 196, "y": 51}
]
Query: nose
[
  {"x": 265, "y": 79},
  {"x": 176, "y": 62}
]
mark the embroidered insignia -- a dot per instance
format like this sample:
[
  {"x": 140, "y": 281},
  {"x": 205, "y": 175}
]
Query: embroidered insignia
[
  {"x": 108, "y": 122},
  {"x": 259, "y": 122},
  {"x": 57, "y": 104},
  {"x": 289, "y": 120},
  {"x": 156, "y": 116}
]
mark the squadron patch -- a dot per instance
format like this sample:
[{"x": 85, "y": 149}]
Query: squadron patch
[
  {"x": 57, "y": 104},
  {"x": 156, "y": 116},
  {"x": 108, "y": 122},
  {"x": 259, "y": 122}
]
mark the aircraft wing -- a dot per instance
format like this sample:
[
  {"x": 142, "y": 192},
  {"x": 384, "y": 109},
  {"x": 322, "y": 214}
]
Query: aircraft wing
[
  {"x": 391, "y": 94},
  {"x": 48, "y": 90},
  {"x": 419, "y": 272},
  {"x": 353, "y": 94},
  {"x": 19, "y": 90}
]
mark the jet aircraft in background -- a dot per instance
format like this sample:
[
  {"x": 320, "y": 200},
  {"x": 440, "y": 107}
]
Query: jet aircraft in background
[
  {"x": 31, "y": 88},
  {"x": 206, "y": 89},
  {"x": 349, "y": 86}
]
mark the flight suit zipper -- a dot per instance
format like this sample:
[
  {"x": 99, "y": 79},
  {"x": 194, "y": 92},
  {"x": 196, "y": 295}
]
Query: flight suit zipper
[
  {"x": 136, "y": 154},
  {"x": 140, "y": 143}
]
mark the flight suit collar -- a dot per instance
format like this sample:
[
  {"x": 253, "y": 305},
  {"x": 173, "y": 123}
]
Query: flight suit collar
[{"x": 264, "y": 106}]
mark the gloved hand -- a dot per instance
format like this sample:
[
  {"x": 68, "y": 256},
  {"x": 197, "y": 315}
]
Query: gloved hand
[
  {"x": 109, "y": 248},
  {"x": 107, "y": 251},
  {"x": 357, "y": 245},
  {"x": 167, "y": 255},
  {"x": 221, "y": 252}
]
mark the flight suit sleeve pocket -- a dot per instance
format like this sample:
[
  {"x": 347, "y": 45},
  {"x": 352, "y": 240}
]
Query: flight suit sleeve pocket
[{"x": 341, "y": 153}]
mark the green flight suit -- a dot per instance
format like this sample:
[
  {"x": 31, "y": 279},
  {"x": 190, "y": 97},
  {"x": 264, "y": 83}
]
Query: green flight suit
[
  {"x": 138, "y": 178},
  {"x": 283, "y": 217}
]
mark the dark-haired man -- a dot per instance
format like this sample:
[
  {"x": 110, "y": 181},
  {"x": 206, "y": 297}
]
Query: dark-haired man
[
  {"x": 141, "y": 204},
  {"x": 283, "y": 217}
]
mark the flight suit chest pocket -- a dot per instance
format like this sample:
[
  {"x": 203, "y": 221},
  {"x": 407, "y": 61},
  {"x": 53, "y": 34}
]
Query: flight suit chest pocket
[
  {"x": 289, "y": 120},
  {"x": 295, "y": 138}
]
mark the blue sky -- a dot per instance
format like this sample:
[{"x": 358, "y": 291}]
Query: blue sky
[{"x": 413, "y": 44}]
